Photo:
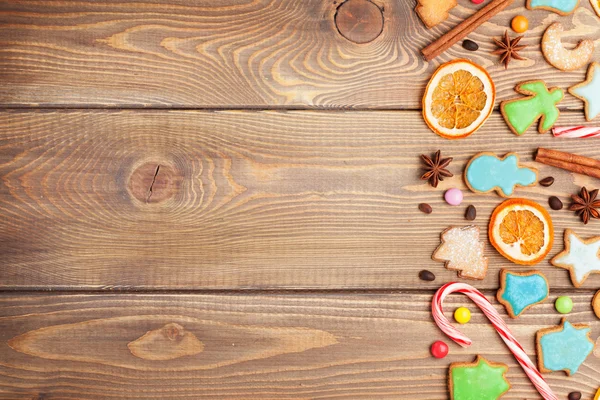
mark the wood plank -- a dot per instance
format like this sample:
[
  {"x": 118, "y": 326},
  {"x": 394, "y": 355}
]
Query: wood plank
[
  {"x": 236, "y": 53},
  {"x": 230, "y": 200},
  {"x": 310, "y": 346}
]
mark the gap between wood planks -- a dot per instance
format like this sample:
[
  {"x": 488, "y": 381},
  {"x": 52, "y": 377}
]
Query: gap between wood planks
[{"x": 34, "y": 290}]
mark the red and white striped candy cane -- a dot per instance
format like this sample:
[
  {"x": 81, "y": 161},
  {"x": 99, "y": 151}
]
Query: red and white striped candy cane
[
  {"x": 496, "y": 320},
  {"x": 576, "y": 132}
]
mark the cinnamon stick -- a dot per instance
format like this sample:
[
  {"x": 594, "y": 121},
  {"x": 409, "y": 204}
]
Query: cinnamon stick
[
  {"x": 464, "y": 28},
  {"x": 570, "y": 162}
]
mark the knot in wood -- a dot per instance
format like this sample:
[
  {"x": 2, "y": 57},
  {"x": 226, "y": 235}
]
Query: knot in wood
[
  {"x": 154, "y": 182},
  {"x": 173, "y": 331},
  {"x": 359, "y": 21}
]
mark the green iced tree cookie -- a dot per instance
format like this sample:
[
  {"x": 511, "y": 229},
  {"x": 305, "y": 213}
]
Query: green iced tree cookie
[{"x": 479, "y": 380}]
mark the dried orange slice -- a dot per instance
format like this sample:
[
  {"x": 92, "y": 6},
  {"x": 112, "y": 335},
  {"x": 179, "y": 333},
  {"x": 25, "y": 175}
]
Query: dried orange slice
[
  {"x": 458, "y": 99},
  {"x": 596, "y": 6},
  {"x": 521, "y": 230}
]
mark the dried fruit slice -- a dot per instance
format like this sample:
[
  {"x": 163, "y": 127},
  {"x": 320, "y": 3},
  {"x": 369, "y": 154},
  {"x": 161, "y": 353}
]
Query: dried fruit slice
[
  {"x": 458, "y": 99},
  {"x": 596, "y": 6},
  {"x": 521, "y": 230}
]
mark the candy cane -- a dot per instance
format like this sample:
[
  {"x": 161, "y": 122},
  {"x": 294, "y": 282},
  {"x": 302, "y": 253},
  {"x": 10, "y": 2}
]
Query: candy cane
[
  {"x": 496, "y": 320},
  {"x": 576, "y": 132}
]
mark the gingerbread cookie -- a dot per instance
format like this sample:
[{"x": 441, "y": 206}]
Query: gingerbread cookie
[
  {"x": 589, "y": 91},
  {"x": 540, "y": 104},
  {"x": 479, "y": 380},
  {"x": 486, "y": 172},
  {"x": 562, "y": 7},
  {"x": 520, "y": 291},
  {"x": 580, "y": 257},
  {"x": 558, "y": 56},
  {"x": 462, "y": 251},
  {"x": 564, "y": 347},
  {"x": 596, "y": 304},
  {"x": 433, "y": 12}
]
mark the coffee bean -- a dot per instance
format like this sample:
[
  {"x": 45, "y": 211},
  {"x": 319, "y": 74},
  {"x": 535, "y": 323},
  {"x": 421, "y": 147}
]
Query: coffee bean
[
  {"x": 575, "y": 396},
  {"x": 471, "y": 213},
  {"x": 426, "y": 276},
  {"x": 426, "y": 208},
  {"x": 548, "y": 181},
  {"x": 555, "y": 203},
  {"x": 470, "y": 45}
]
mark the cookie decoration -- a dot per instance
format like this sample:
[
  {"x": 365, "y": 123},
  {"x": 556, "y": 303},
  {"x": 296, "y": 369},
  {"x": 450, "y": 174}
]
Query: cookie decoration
[
  {"x": 522, "y": 231},
  {"x": 564, "y": 347},
  {"x": 433, "y": 12},
  {"x": 540, "y": 104},
  {"x": 589, "y": 91},
  {"x": 486, "y": 172},
  {"x": 596, "y": 304},
  {"x": 458, "y": 99},
  {"x": 580, "y": 257},
  {"x": 462, "y": 251},
  {"x": 562, "y": 7},
  {"x": 520, "y": 291},
  {"x": 560, "y": 57},
  {"x": 479, "y": 380}
]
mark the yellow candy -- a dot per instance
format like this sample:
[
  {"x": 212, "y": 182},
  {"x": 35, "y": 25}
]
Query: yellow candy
[
  {"x": 597, "y": 396},
  {"x": 462, "y": 315}
]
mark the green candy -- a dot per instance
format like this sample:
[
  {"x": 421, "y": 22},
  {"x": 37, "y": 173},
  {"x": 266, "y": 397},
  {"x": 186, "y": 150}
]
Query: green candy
[
  {"x": 480, "y": 380},
  {"x": 564, "y": 304}
]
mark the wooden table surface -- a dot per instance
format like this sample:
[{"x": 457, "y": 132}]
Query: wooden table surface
[{"x": 217, "y": 199}]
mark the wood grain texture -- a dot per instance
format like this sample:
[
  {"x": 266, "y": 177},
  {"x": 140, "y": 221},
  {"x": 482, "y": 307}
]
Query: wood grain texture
[
  {"x": 258, "y": 347},
  {"x": 246, "y": 54},
  {"x": 233, "y": 200}
]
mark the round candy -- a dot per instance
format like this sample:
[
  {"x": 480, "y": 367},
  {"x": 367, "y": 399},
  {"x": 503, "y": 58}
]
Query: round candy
[
  {"x": 439, "y": 349},
  {"x": 564, "y": 304},
  {"x": 477, "y": 1},
  {"x": 453, "y": 196},
  {"x": 519, "y": 24},
  {"x": 462, "y": 315}
]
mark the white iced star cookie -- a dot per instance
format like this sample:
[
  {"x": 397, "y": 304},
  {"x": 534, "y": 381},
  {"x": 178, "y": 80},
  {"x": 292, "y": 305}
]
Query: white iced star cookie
[
  {"x": 589, "y": 92},
  {"x": 580, "y": 257}
]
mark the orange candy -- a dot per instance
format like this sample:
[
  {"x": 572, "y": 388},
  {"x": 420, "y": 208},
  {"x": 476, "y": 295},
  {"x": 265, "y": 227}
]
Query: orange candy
[{"x": 520, "y": 24}]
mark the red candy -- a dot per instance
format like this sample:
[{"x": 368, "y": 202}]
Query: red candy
[
  {"x": 477, "y": 1},
  {"x": 439, "y": 349}
]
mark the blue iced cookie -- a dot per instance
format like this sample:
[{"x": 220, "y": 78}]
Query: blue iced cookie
[
  {"x": 564, "y": 347},
  {"x": 486, "y": 172},
  {"x": 562, "y": 7},
  {"x": 521, "y": 290}
]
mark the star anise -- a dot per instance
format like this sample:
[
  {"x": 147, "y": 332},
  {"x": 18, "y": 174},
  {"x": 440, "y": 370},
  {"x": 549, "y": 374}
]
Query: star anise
[
  {"x": 435, "y": 168},
  {"x": 585, "y": 204},
  {"x": 508, "y": 49}
]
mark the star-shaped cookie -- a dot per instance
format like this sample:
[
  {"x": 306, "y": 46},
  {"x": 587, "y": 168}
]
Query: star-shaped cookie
[
  {"x": 589, "y": 91},
  {"x": 580, "y": 257}
]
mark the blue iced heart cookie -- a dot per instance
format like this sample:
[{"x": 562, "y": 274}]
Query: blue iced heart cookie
[
  {"x": 486, "y": 172},
  {"x": 521, "y": 290},
  {"x": 564, "y": 347},
  {"x": 562, "y": 7}
]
